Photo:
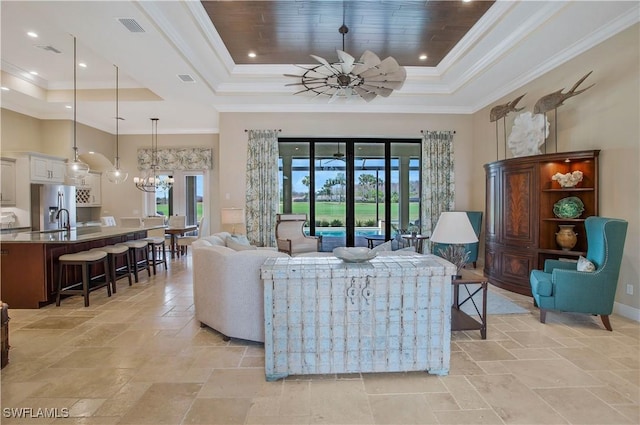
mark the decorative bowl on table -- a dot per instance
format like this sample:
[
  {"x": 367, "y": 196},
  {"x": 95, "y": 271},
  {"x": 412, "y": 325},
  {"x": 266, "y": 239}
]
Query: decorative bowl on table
[
  {"x": 569, "y": 207},
  {"x": 354, "y": 254}
]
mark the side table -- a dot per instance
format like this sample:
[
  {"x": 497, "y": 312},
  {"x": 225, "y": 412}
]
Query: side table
[{"x": 461, "y": 321}]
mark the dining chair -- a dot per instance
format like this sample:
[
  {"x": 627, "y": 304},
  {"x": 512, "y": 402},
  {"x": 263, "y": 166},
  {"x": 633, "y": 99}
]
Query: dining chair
[
  {"x": 184, "y": 241},
  {"x": 130, "y": 222},
  {"x": 177, "y": 221}
]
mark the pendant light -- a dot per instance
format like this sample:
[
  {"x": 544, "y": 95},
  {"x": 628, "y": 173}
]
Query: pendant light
[
  {"x": 76, "y": 169},
  {"x": 117, "y": 175}
]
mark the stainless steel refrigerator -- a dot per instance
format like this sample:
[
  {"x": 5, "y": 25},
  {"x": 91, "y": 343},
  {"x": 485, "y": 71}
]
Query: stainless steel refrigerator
[{"x": 46, "y": 201}]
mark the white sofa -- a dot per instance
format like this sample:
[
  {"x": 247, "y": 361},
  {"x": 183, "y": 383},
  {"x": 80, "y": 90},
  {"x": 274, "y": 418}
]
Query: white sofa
[{"x": 227, "y": 289}]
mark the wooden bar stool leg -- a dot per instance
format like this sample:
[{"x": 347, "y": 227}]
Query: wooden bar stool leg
[
  {"x": 146, "y": 253},
  {"x": 107, "y": 275},
  {"x": 60, "y": 267},
  {"x": 134, "y": 261},
  {"x": 128, "y": 261},
  {"x": 152, "y": 250},
  {"x": 111, "y": 259},
  {"x": 85, "y": 283}
]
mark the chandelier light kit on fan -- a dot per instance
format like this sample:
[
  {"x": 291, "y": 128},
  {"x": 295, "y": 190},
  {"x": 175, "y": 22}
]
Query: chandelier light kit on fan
[
  {"x": 150, "y": 181},
  {"x": 76, "y": 169},
  {"x": 116, "y": 174},
  {"x": 367, "y": 78}
]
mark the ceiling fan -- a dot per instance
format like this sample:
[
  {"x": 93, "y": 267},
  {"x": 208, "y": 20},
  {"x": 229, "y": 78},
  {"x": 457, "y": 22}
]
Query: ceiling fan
[{"x": 336, "y": 156}]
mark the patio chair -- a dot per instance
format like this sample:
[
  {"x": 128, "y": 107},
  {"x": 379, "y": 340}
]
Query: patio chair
[{"x": 290, "y": 236}]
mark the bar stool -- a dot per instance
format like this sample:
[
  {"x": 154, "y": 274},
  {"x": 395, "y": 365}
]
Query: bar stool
[
  {"x": 139, "y": 254},
  {"x": 85, "y": 259},
  {"x": 115, "y": 252},
  {"x": 157, "y": 252}
]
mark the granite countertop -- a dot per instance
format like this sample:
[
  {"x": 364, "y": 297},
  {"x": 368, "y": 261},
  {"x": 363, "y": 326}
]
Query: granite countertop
[{"x": 80, "y": 234}]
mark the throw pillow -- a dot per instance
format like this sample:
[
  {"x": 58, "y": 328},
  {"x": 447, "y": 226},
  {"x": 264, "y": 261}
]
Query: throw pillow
[
  {"x": 241, "y": 239},
  {"x": 236, "y": 246},
  {"x": 215, "y": 240},
  {"x": 585, "y": 265},
  {"x": 382, "y": 247}
]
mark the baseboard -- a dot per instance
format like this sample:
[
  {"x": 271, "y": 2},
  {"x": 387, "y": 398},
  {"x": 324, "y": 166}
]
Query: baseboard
[{"x": 626, "y": 311}]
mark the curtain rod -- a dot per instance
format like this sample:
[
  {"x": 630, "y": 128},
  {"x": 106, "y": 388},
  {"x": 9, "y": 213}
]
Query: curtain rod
[
  {"x": 276, "y": 129},
  {"x": 422, "y": 131}
]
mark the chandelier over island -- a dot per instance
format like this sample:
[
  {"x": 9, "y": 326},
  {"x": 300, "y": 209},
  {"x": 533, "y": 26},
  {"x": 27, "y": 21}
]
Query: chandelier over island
[{"x": 150, "y": 181}]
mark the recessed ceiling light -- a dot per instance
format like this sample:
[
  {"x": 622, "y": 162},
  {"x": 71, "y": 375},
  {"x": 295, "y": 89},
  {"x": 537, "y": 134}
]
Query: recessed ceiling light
[
  {"x": 32, "y": 34},
  {"x": 67, "y": 106},
  {"x": 82, "y": 64},
  {"x": 252, "y": 55},
  {"x": 423, "y": 57},
  {"x": 4, "y": 88},
  {"x": 33, "y": 73}
]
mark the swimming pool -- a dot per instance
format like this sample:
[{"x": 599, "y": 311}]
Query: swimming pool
[{"x": 341, "y": 231}]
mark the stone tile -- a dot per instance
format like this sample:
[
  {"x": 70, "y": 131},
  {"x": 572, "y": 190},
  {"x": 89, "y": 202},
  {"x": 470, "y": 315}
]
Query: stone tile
[
  {"x": 513, "y": 402},
  {"x": 588, "y": 359},
  {"x": 485, "y": 351},
  {"x": 549, "y": 373},
  {"x": 239, "y": 383},
  {"x": 402, "y": 409},
  {"x": 580, "y": 406},
  {"x": 218, "y": 411},
  {"x": 401, "y": 383},
  {"x": 468, "y": 417},
  {"x": 464, "y": 394},
  {"x": 339, "y": 402},
  {"x": 58, "y": 322},
  {"x": 162, "y": 403}
]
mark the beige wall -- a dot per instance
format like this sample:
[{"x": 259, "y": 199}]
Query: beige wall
[
  {"x": 20, "y": 132},
  {"x": 604, "y": 117}
]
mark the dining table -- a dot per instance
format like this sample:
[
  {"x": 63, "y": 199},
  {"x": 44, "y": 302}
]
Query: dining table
[{"x": 174, "y": 232}]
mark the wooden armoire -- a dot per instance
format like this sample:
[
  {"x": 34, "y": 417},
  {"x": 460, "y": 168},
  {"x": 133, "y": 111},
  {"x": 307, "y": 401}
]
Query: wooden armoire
[{"x": 520, "y": 224}]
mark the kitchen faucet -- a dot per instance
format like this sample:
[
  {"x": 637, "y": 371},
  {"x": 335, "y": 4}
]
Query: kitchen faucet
[{"x": 67, "y": 224}]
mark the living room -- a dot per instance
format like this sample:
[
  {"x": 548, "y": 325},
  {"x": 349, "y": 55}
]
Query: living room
[{"x": 605, "y": 117}]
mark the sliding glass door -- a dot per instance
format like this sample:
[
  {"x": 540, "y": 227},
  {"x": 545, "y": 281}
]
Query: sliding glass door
[{"x": 355, "y": 192}]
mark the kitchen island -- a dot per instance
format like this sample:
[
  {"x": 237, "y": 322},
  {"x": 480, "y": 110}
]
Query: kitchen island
[{"x": 30, "y": 260}]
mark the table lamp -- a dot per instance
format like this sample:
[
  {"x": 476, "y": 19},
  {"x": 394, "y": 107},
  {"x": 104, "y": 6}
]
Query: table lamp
[
  {"x": 454, "y": 228},
  {"x": 233, "y": 216}
]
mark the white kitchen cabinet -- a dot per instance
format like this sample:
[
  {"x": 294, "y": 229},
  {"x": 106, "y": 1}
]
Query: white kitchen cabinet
[
  {"x": 89, "y": 191},
  {"x": 46, "y": 169},
  {"x": 8, "y": 180}
]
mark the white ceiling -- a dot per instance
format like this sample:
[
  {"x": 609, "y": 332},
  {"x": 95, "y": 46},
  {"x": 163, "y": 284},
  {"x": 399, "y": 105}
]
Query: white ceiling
[{"x": 512, "y": 44}]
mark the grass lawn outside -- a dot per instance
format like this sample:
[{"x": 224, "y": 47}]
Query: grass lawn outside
[{"x": 330, "y": 211}]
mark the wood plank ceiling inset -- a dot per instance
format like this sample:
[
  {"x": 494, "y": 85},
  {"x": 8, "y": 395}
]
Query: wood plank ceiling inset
[{"x": 287, "y": 32}]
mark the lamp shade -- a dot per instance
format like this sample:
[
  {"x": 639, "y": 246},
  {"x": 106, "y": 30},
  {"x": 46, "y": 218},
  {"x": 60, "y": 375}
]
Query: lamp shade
[
  {"x": 232, "y": 215},
  {"x": 453, "y": 227}
]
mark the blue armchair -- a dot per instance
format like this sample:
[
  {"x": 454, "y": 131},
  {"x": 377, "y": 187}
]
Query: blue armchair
[
  {"x": 561, "y": 287},
  {"x": 475, "y": 217}
]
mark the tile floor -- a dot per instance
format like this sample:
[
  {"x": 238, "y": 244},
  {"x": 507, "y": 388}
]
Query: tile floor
[{"x": 139, "y": 357}]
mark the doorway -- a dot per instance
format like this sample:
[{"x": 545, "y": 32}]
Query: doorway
[{"x": 355, "y": 192}]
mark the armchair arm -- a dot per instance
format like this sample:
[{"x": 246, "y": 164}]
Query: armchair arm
[
  {"x": 550, "y": 265},
  {"x": 284, "y": 245}
]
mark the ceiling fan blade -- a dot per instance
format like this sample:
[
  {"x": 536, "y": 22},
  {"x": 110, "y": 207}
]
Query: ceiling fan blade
[
  {"x": 394, "y": 85},
  {"x": 366, "y": 95},
  {"x": 326, "y": 64},
  {"x": 367, "y": 60},
  {"x": 346, "y": 61},
  {"x": 399, "y": 76},
  {"x": 381, "y": 91},
  {"x": 336, "y": 95}
]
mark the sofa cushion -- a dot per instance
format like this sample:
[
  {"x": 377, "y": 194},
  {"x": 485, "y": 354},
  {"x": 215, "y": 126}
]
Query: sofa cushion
[
  {"x": 239, "y": 239},
  {"x": 214, "y": 240},
  {"x": 238, "y": 246}
]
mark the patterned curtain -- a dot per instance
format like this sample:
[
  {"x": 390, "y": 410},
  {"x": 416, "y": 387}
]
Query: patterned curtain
[
  {"x": 438, "y": 179},
  {"x": 176, "y": 159},
  {"x": 262, "y": 187}
]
